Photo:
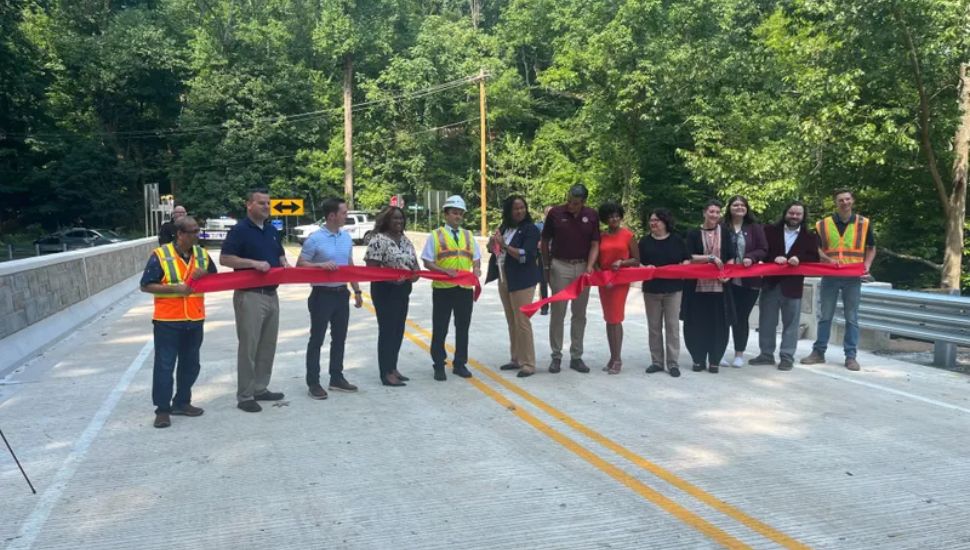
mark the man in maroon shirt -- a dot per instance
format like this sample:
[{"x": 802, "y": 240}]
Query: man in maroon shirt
[{"x": 570, "y": 247}]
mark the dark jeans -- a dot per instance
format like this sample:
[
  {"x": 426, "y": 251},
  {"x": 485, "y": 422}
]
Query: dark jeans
[
  {"x": 744, "y": 300},
  {"x": 176, "y": 341},
  {"x": 391, "y": 303},
  {"x": 444, "y": 301},
  {"x": 327, "y": 307},
  {"x": 706, "y": 329},
  {"x": 851, "y": 289}
]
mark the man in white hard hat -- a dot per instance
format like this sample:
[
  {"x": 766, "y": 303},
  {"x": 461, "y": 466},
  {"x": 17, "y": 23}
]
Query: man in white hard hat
[{"x": 451, "y": 249}]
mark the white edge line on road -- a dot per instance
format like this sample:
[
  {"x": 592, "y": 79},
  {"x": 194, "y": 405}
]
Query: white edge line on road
[
  {"x": 42, "y": 510},
  {"x": 888, "y": 390}
]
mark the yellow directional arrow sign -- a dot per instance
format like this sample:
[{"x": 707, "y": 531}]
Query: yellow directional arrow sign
[{"x": 286, "y": 207}]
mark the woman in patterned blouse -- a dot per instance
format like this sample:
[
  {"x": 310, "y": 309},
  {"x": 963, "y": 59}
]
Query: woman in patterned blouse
[{"x": 390, "y": 247}]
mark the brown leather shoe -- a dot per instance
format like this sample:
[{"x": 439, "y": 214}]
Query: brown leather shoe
[
  {"x": 813, "y": 358},
  {"x": 316, "y": 391},
  {"x": 341, "y": 384},
  {"x": 187, "y": 410},
  {"x": 851, "y": 363},
  {"x": 162, "y": 420},
  {"x": 555, "y": 366}
]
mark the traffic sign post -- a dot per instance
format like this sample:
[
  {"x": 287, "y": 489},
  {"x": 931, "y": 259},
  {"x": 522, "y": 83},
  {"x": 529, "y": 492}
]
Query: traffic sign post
[{"x": 286, "y": 207}]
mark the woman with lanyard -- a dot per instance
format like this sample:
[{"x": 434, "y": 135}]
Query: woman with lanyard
[
  {"x": 707, "y": 309},
  {"x": 515, "y": 246},
  {"x": 390, "y": 247},
  {"x": 618, "y": 249},
  {"x": 750, "y": 247}
]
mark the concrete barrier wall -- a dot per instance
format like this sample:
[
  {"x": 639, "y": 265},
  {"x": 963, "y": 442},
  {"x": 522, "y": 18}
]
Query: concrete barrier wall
[{"x": 45, "y": 297}]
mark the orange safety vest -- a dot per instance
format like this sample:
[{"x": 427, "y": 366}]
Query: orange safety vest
[
  {"x": 849, "y": 247},
  {"x": 171, "y": 307}
]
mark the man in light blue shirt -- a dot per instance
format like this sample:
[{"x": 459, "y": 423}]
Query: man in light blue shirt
[{"x": 329, "y": 303}]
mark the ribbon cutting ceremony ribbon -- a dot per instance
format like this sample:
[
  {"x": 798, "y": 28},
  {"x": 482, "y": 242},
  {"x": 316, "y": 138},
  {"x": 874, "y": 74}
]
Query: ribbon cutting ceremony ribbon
[
  {"x": 692, "y": 271},
  {"x": 250, "y": 278}
]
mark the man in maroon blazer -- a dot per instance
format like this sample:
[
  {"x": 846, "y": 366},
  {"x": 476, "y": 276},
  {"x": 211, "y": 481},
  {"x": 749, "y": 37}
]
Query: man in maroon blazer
[{"x": 789, "y": 242}]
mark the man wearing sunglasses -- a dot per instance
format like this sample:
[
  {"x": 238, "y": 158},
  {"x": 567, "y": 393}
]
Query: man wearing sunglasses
[{"x": 178, "y": 319}]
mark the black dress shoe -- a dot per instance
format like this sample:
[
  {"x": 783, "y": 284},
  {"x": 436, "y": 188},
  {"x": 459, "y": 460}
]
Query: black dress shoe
[
  {"x": 250, "y": 406},
  {"x": 462, "y": 371},
  {"x": 654, "y": 368},
  {"x": 524, "y": 373},
  {"x": 268, "y": 396},
  {"x": 396, "y": 382},
  {"x": 712, "y": 369},
  {"x": 401, "y": 377},
  {"x": 578, "y": 365},
  {"x": 439, "y": 373},
  {"x": 674, "y": 371},
  {"x": 510, "y": 366},
  {"x": 555, "y": 366},
  {"x": 697, "y": 368}
]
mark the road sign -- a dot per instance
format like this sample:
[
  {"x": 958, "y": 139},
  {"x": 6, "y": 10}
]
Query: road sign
[{"x": 286, "y": 207}]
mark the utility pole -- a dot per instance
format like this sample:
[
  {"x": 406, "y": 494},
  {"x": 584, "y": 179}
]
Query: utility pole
[
  {"x": 481, "y": 108},
  {"x": 349, "y": 130}
]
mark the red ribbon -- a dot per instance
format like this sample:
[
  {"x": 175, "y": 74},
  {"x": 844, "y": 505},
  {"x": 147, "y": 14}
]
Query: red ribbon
[
  {"x": 249, "y": 278},
  {"x": 695, "y": 271}
]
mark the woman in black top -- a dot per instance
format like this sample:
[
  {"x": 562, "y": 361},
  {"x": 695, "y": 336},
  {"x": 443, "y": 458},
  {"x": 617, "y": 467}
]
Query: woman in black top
[
  {"x": 661, "y": 297},
  {"x": 708, "y": 308},
  {"x": 750, "y": 247}
]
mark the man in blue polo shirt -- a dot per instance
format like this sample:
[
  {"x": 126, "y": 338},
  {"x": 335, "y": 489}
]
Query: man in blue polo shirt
[
  {"x": 253, "y": 243},
  {"x": 329, "y": 303}
]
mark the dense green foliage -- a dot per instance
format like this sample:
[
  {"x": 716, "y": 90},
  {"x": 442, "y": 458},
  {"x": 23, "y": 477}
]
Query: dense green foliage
[{"x": 651, "y": 102}]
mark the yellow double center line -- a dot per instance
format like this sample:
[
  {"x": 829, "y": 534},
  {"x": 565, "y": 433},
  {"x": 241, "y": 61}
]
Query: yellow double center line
[{"x": 683, "y": 514}]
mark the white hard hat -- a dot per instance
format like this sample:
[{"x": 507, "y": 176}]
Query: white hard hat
[{"x": 454, "y": 201}]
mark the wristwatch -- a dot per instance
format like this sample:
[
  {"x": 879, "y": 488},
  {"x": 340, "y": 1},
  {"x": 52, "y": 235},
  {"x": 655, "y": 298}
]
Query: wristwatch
[{"x": 710, "y": 258}]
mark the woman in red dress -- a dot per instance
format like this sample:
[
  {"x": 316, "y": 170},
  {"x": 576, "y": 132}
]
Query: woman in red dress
[{"x": 618, "y": 249}]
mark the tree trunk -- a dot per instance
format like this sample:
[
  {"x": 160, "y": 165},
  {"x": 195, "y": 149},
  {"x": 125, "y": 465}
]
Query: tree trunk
[
  {"x": 957, "y": 204},
  {"x": 349, "y": 130}
]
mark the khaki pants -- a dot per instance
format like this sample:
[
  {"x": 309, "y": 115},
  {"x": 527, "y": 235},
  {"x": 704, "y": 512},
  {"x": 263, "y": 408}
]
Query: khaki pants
[
  {"x": 663, "y": 319},
  {"x": 257, "y": 324},
  {"x": 561, "y": 274},
  {"x": 521, "y": 344}
]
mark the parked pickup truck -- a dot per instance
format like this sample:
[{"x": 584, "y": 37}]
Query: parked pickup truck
[
  {"x": 216, "y": 229},
  {"x": 358, "y": 224}
]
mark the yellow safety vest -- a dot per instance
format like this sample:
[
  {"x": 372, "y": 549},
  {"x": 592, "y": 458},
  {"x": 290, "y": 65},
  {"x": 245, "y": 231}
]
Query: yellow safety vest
[
  {"x": 170, "y": 307},
  {"x": 452, "y": 254},
  {"x": 849, "y": 247}
]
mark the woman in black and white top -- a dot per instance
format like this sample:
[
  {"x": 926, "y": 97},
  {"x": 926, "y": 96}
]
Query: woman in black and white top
[{"x": 390, "y": 247}]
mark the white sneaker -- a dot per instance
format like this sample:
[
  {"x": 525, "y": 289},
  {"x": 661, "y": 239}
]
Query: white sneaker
[
  {"x": 738, "y": 362},
  {"x": 724, "y": 363}
]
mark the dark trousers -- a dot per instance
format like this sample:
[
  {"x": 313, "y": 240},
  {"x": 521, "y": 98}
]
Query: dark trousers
[
  {"x": 706, "y": 329},
  {"x": 175, "y": 342},
  {"x": 444, "y": 302},
  {"x": 543, "y": 285},
  {"x": 744, "y": 300},
  {"x": 391, "y": 303},
  {"x": 327, "y": 307}
]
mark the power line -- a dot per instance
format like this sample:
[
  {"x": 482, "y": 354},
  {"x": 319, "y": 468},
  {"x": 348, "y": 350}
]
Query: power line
[{"x": 294, "y": 118}]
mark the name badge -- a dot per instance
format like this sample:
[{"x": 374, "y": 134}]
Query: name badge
[{"x": 585, "y": 219}]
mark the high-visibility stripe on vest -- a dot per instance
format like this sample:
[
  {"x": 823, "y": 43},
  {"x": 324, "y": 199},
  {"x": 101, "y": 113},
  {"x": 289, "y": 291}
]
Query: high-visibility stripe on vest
[
  {"x": 171, "y": 307},
  {"x": 452, "y": 254},
  {"x": 850, "y": 246}
]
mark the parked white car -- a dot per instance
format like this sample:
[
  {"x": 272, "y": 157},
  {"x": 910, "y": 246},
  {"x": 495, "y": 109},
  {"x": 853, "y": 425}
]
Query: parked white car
[
  {"x": 358, "y": 224},
  {"x": 216, "y": 229}
]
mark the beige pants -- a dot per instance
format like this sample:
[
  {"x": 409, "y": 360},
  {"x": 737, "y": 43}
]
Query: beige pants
[
  {"x": 663, "y": 318},
  {"x": 257, "y": 325},
  {"x": 561, "y": 274},
  {"x": 521, "y": 344}
]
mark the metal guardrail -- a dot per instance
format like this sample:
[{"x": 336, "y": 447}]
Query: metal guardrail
[{"x": 943, "y": 319}]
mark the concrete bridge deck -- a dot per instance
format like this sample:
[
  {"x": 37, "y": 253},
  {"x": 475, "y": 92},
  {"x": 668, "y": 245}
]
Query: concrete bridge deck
[{"x": 751, "y": 457}]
